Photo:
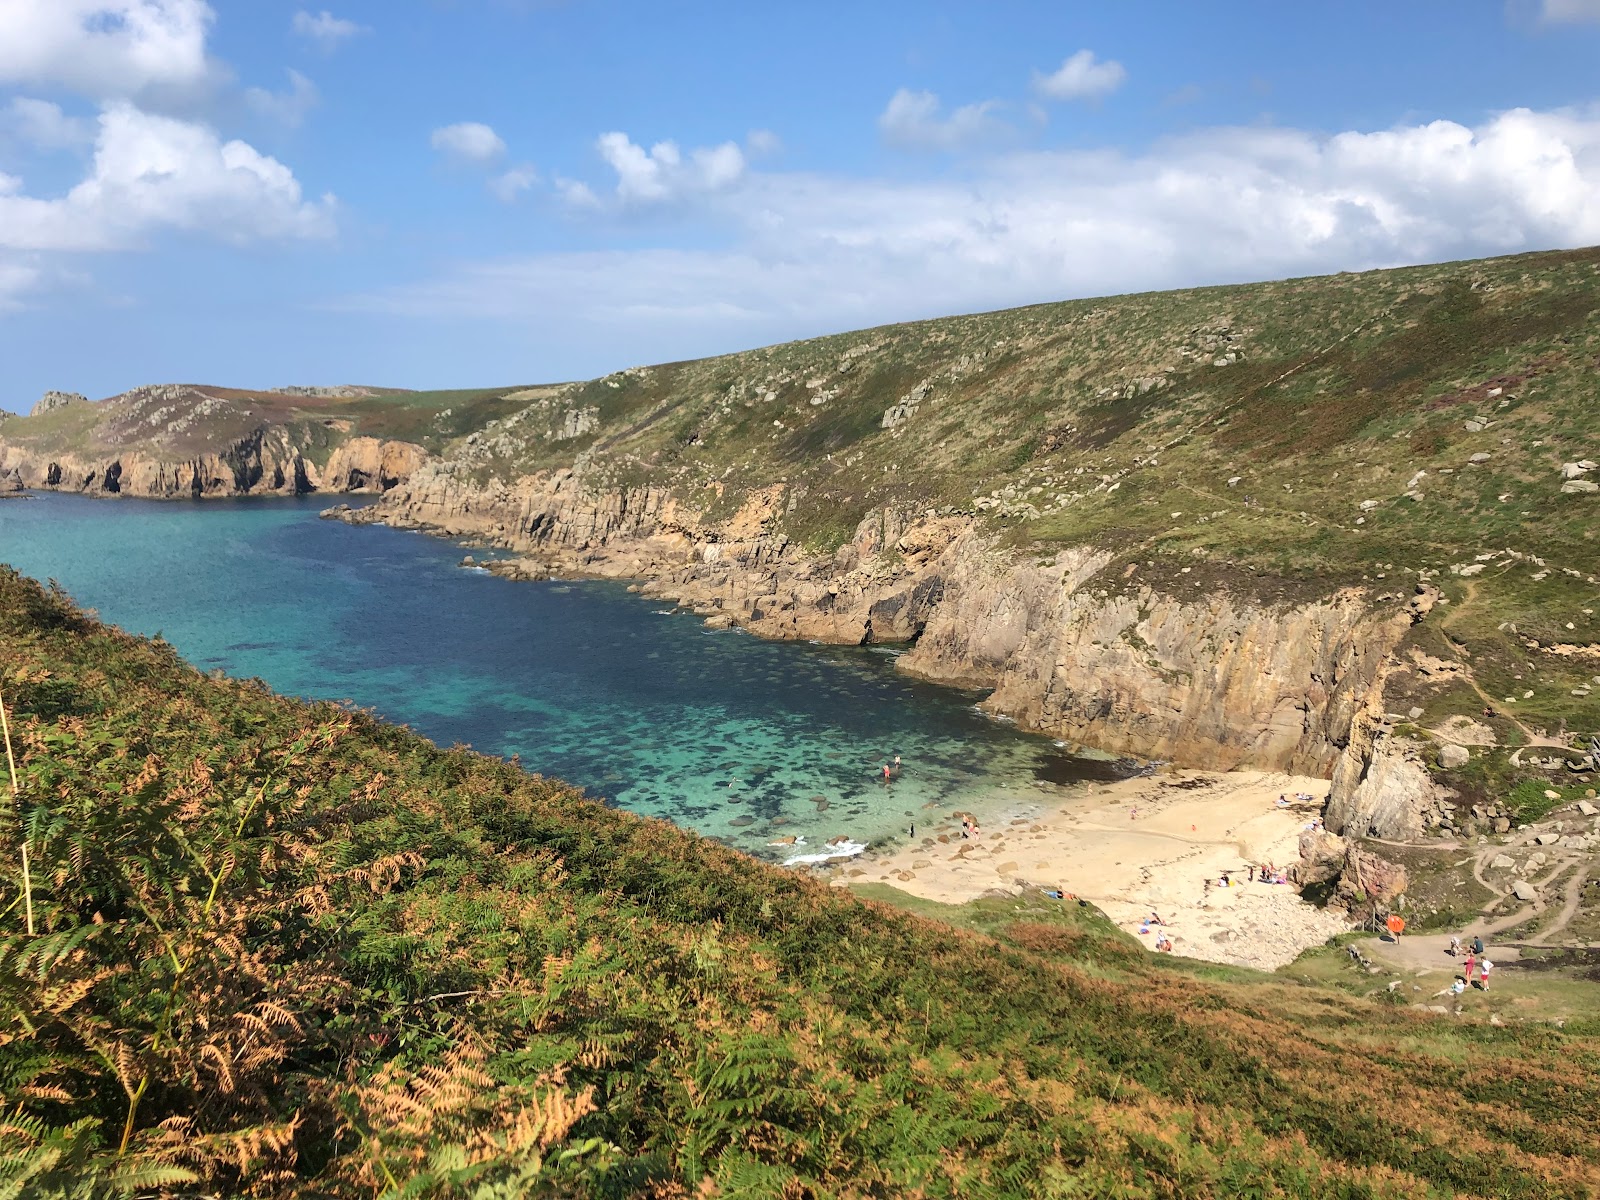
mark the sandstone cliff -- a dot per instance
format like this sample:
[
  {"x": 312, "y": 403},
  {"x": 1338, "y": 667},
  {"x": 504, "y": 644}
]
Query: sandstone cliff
[{"x": 1210, "y": 679}]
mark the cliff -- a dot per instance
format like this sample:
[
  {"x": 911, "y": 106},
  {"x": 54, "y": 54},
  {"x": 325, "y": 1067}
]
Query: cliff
[
  {"x": 1212, "y": 679},
  {"x": 181, "y": 441}
]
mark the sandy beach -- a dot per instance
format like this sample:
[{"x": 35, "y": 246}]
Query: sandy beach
[{"x": 1140, "y": 846}]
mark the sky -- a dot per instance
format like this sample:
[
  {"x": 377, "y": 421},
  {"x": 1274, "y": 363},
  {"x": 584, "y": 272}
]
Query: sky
[{"x": 464, "y": 193}]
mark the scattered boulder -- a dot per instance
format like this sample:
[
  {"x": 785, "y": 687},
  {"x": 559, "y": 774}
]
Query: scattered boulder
[
  {"x": 1575, "y": 470},
  {"x": 1501, "y": 825},
  {"x": 1575, "y": 486},
  {"x": 1547, "y": 839},
  {"x": 1501, "y": 862},
  {"x": 1523, "y": 890},
  {"x": 1588, "y": 809},
  {"x": 1452, "y": 756}
]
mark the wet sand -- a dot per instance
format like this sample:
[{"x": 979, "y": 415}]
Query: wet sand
[{"x": 1137, "y": 846}]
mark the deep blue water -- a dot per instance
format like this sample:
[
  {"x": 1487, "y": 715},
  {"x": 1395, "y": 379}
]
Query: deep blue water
[{"x": 720, "y": 732}]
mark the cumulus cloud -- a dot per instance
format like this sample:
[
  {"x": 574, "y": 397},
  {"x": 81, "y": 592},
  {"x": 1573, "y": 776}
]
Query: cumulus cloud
[
  {"x": 43, "y": 126},
  {"x": 664, "y": 172},
  {"x": 152, "y": 173},
  {"x": 508, "y": 185},
  {"x": 914, "y": 120},
  {"x": 1570, "y": 12},
  {"x": 807, "y": 252},
  {"x": 289, "y": 107},
  {"x": 324, "y": 29},
  {"x": 104, "y": 47},
  {"x": 1080, "y": 77},
  {"x": 468, "y": 142}
]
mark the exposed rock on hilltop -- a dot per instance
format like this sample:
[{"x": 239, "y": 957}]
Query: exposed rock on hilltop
[{"x": 54, "y": 400}]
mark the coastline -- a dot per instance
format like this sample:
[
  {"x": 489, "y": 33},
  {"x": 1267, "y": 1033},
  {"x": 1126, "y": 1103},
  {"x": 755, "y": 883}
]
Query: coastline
[{"x": 1189, "y": 826}]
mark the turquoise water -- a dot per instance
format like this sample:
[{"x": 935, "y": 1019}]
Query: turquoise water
[{"x": 717, "y": 731}]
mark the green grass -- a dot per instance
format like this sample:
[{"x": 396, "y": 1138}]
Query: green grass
[{"x": 285, "y": 950}]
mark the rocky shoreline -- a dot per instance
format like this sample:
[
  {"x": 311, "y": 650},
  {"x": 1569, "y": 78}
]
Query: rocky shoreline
[{"x": 1208, "y": 679}]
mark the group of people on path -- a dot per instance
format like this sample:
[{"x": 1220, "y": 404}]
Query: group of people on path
[{"x": 1477, "y": 961}]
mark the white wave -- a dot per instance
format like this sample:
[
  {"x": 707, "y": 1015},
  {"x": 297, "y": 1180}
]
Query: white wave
[{"x": 842, "y": 850}]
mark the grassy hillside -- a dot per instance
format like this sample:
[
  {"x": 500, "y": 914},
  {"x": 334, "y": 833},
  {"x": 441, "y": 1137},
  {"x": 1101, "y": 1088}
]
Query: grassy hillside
[
  {"x": 1277, "y": 439},
  {"x": 284, "y": 949}
]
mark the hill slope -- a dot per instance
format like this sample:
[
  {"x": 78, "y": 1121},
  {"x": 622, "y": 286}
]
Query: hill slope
[
  {"x": 1228, "y": 526},
  {"x": 284, "y": 949}
]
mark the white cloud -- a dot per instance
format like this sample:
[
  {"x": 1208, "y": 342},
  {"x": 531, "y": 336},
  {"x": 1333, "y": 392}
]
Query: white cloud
[
  {"x": 762, "y": 142},
  {"x": 810, "y": 252},
  {"x": 511, "y": 184},
  {"x": 325, "y": 29},
  {"x": 286, "y": 108},
  {"x": 1080, "y": 77},
  {"x": 1569, "y": 12},
  {"x": 914, "y": 120},
  {"x": 152, "y": 173},
  {"x": 42, "y": 125},
  {"x": 468, "y": 142},
  {"x": 17, "y": 278},
  {"x": 663, "y": 172},
  {"x": 104, "y": 47}
]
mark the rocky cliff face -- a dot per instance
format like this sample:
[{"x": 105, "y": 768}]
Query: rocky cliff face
[
  {"x": 370, "y": 464},
  {"x": 268, "y": 461},
  {"x": 1210, "y": 680}
]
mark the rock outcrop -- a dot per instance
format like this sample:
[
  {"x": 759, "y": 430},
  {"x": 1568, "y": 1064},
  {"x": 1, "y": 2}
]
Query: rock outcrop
[
  {"x": 1212, "y": 680},
  {"x": 1350, "y": 878},
  {"x": 365, "y": 464},
  {"x": 53, "y": 400}
]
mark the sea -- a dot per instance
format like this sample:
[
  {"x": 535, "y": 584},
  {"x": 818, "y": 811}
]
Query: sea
[{"x": 748, "y": 741}]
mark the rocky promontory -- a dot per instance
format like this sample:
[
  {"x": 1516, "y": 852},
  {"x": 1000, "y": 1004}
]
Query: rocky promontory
[{"x": 179, "y": 442}]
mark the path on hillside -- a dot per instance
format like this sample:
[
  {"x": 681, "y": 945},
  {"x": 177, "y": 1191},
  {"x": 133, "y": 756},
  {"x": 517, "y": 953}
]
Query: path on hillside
[{"x": 1470, "y": 587}]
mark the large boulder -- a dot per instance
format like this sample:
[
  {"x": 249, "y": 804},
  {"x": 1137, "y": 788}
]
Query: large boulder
[
  {"x": 1361, "y": 880},
  {"x": 1452, "y": 756}
]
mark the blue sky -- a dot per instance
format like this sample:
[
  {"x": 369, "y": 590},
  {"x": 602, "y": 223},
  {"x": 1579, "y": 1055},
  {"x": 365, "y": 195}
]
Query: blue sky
[{"x": 434, "y": 193}]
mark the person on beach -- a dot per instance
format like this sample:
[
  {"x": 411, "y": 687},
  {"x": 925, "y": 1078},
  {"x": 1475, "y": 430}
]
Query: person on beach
[
  {"x": 1396, "y": 925},
  {"x": 1477, "y": 945},
  {"x": 1472, "y": 961},
  {"x": 966, "y": 827},
  {"x": 1455, "y": 946},
  {"x": 1484, "y": 968},
  {"x": 897, "y": 764},
  {"x": 886, "y": 775}
]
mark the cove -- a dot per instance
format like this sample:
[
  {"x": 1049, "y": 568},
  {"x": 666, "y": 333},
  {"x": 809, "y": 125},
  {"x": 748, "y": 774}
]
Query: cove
[{"x": 716, "y": 731}]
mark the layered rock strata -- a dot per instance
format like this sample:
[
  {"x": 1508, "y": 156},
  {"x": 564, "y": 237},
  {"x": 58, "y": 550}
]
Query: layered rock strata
[{"x": 1216, "y": 681}]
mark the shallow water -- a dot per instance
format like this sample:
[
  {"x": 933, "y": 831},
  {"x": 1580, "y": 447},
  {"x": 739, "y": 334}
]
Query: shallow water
[{"x": 716, "y": 731}]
